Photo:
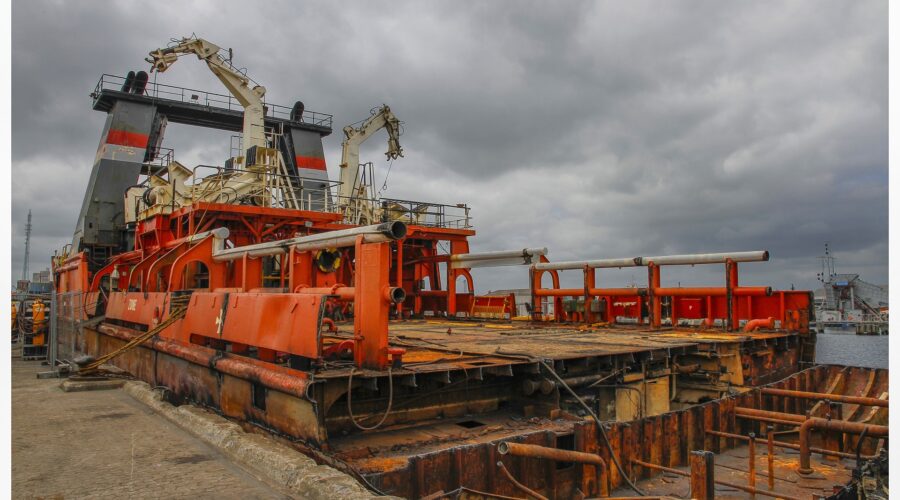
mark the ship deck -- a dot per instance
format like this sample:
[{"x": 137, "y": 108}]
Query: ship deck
[{"x": 440, "y": 345}]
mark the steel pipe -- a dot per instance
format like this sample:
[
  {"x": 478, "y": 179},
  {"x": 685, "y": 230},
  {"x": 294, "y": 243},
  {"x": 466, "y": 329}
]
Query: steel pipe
[
  {"x": 557, "y": 455},
  {"x": 517, "y": 484},
  {"x": 770, "y": 415},
  {"x": 377, "y": 233},
  {"x": 741, "y": 487},
  {"x": 593, "y": 292},
  {"x": 392, "y": 294},
  {"x": 590, "y": 264},
  {"x": 342, "y": 292},
  {"x": 742, "y": 291},
  {"x": 789, "y": 446},
  {"x": 706, "y": 258},
  {"x": 276, "y": 378},
  {"x": 220, "y": 233},
  {"x": 495, "y": 258},
  {"x": 715, "y": 291},
  {"x": 871, "y": 430},
  {"x": 659, "y": 260},
  {"x": 755, "y": 324},
  {"x": 856, "y": 400}
]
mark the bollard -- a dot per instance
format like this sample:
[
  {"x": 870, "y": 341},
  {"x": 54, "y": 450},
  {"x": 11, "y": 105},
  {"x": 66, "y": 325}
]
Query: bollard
[
  {"x": 770, "y": 434},
  {"x": 703, "y": 480},
  {"x": 751, "y": 450}
]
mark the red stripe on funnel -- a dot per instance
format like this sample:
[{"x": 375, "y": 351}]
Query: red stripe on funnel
[
  {"x": 310, "y": 162},
  {"x": 123, "y": 138}
]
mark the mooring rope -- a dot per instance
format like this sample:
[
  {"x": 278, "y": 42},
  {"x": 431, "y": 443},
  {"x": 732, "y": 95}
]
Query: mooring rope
[{"x": 176, "y": 312}]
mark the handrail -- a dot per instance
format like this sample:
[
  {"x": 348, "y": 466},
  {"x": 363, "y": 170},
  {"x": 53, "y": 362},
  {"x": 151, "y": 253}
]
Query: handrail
[{"x": 209, "y": 99}]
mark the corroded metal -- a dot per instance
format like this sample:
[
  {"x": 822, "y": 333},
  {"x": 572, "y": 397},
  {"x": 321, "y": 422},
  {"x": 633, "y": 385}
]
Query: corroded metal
[
  {"x": 557, "y": 455},
  {"x": 842, "y": 398},
  {"x": 703, "y": 480},
  {"x": 879, "y": 431}
]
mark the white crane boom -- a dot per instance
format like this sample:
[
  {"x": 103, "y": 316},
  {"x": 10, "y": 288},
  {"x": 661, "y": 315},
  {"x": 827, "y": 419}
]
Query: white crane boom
[
  {"x": 251, "y": 98},
  {"x": 383, "y": 118},
  {"x": 267, "y": 177}
]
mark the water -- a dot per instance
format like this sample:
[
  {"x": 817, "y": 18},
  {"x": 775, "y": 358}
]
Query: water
[{"x": 852, "y": 350}]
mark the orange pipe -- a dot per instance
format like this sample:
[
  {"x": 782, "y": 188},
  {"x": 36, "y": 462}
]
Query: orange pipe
[
  {"x": 594, "y": 292},
  {"x": 660, "y": 292},
  {"x": 880, "y": 431},
  {"x": 289, "y": 381},
  {"x": 330, "y": 322},
  {"x": 391, "y": 294},
  {"x": 755, "y": 324},
  {"x": 342, "y": 292},
  {"x": 790, "y": 446},
  {"x": 856, "y": 400},
  {"x": 515, "y": 482},
  {"x": 742, "y": 487},
  {"x": 715, "y": 291},
  {"x": 772, "y": 415},
  {"x": 557, "y": 455},
  {"x": 554, "y": 454}
]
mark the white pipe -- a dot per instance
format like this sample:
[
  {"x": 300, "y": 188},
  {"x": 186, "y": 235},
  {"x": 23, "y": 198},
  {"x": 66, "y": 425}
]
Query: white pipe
[
  {"x": 376, "y": 233},
  {"x": 592, "y": 264},
  {"x": 706, "y": 258},
  {"x": 221, "y": 233},
  {"x": 662, "y": 260},
  {"x": 498, "y": 254},
  {"x": 495, "y": 258}
]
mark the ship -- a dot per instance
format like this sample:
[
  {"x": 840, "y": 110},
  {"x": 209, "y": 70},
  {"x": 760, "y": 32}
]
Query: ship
[
  {"x": 349, "y": 324},
  {"x": 846, "y": 304}
]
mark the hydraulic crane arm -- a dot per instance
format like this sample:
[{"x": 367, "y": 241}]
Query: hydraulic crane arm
[
  {"x": 354, "y": 137},
  {"x": 251, "y": 98}
]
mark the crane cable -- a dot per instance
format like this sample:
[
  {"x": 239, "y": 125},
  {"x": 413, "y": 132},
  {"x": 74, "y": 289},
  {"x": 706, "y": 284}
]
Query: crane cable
[{"x": 386, "y": 175}]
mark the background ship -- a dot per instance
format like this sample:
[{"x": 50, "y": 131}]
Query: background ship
[{"x": 848, "y": 305}]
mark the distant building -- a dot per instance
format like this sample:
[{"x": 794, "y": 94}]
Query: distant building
[{"x": 41, "y": 277}]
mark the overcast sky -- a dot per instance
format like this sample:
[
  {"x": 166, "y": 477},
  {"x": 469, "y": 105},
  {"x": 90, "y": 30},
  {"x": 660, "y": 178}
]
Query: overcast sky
[{"x": 596, "y": 129}]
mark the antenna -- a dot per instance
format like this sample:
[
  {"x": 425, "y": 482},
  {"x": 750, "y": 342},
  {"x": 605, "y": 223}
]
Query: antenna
[
  {"x": 827, "y": 265},
  {"x": 27, "y": 247}
]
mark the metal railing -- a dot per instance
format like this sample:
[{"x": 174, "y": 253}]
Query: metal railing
[
  {"x": 275, "y": 190},
  {"x": 186, "y": 95},
  {"x": 303, "y": 193},
  {"x": 426, "y": 213},
  {"x": 268, "y": 188},
  {"x": 161, "y": 158}
]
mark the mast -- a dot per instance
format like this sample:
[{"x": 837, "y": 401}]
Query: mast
[{"x": 27, "y": 247}]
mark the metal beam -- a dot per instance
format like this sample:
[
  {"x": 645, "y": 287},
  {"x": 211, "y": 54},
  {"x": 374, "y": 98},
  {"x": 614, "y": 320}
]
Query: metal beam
[{"x": 377, "y": 233}]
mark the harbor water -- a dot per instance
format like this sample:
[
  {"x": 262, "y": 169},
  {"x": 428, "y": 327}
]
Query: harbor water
[{"x": 852, "y": 350}]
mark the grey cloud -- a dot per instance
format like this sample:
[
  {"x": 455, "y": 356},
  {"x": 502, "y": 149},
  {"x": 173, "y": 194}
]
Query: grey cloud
[{"x": 600, "y": 129}]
